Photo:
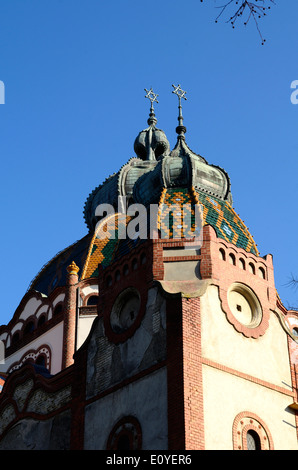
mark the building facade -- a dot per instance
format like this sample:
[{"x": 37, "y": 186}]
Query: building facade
[{"x": 162, "y": 331}]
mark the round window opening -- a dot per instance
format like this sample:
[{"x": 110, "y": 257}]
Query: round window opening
[
  {"x": 295, "y": 332},
  {"x": 125, "y": 310},
  {"x": 244, "y": 305}
]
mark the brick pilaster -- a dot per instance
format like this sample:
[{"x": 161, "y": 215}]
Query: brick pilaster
[
  {"x": 69, "y": 327},
  {"x": 185, "y": 390},
  {"x": 192, "y": 375}
]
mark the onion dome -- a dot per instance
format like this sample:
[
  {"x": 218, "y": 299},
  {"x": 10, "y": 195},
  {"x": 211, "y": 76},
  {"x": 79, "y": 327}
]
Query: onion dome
[
  {"x": 151, "y": 143},
  {"x": 150, "y": 146},
  {"x": 182, "y": 168},
  {"x": 157, "y": 175}
]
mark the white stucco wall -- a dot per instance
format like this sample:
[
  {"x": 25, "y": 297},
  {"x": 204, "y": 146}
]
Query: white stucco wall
[
  {"x": 84, "y": 327},
  {"x": 266, "y": 357},
  {"x": 226, "y": 394},
  {"x": 52, "y": 338}
]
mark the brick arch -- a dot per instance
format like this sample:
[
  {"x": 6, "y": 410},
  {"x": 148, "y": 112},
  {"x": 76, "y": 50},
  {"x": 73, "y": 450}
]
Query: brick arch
[
  {"x": 127, "y": 427},
  {"x": 88, "y": 296},
  {"x": 246, "y": 421}
]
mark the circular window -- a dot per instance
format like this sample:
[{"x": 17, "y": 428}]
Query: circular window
[
  {"x": 125, "y": 310},
  {"x": 295, "y": 331},
  {"x": 244, "y": 305}
]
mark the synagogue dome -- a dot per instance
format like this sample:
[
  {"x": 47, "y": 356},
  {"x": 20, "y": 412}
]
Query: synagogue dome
[{"x": 156, "y": 175}]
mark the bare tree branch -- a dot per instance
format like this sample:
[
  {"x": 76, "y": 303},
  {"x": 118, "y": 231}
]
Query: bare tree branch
[
  {"x": 293, "y": 283},
  {"x": 255, "y": 10}
]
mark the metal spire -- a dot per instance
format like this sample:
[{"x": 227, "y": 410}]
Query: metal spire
[
  {"x": 153, "y": 98},
  {"x": 181, "y": 129},
  {"x": 152, "y": 122}
]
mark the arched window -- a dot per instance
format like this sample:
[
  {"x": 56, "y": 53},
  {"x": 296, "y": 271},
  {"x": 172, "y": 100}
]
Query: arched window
[
  {"x": 125, "y": 435},
  {"x": 232, "y": 259},
  {"x": 41, "y": 320},
  {"x": 222, "y": 254},
  {"x": 92, "y": 300},
  {"x": 15, "y": 338},
  {"x": 261, "y": 272},
  {"x": 134, "y": 264},
  {"x": 251, "y": 433},
  {"x": 58, "y": 309},
  {"x": 252, "y": 268},
  {"x": 253, "y": 441},
  {"x": 241, "y": 263},
  {"x": 109, "y": 281},
  {"x": 29, "y": 327},
  {"x": 125, "y": 270}
]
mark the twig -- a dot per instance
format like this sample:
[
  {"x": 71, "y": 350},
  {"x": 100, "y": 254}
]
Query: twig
[{"x": 256, "y": 9}]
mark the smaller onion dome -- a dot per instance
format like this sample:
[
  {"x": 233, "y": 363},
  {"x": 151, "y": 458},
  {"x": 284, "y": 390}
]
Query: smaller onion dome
[{"x": 152, "y": 142}]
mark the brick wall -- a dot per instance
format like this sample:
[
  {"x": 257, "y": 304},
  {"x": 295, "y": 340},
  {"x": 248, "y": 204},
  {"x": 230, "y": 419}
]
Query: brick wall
[{"x": 185, "y": 394}]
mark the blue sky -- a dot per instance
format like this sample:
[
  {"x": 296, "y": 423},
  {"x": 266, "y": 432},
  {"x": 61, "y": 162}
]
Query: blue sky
[{"x": 74, "y": 74}]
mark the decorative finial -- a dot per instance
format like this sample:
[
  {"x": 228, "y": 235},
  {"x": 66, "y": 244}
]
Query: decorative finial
[
  {"x": 153, "y": 98},
  {"x": 181, "y": 129},
  {"x": 73, "y": 268}
]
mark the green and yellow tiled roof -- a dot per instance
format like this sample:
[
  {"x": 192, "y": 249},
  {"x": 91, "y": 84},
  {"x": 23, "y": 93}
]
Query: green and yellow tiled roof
[
  {"x": 227, "y": 223},
  {"x": 92, "y": 250},
  {"x": 108, "y": 245},
  {"x": 216, "y": 212}
]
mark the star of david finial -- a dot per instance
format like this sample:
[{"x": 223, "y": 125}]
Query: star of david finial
[
  {"x": 151, "y": 96},
  {"x": 153, "y": 99},
  {"x": 179, "y": 92}
]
